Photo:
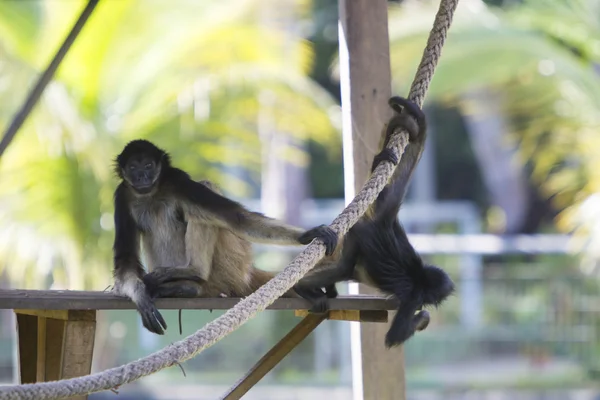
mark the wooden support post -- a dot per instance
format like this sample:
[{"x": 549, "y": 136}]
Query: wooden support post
[
  {"x": 366, "y": 88},
  {"x": 274, "y": 356},
  {"x": 55, "y": 344}
]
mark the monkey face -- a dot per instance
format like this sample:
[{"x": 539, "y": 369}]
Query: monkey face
[
  {"x": 140, "y": 165},
  {"x": 142, "y": 172}
]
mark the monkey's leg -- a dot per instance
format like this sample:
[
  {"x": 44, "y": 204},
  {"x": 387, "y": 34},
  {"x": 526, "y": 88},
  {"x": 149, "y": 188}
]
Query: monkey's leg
[
  {"x": 179, "y": 289},
  {"x": 309, "y": 287},
  {"x": 163, "y": 275},
  {"x": 200, "y": 242}
]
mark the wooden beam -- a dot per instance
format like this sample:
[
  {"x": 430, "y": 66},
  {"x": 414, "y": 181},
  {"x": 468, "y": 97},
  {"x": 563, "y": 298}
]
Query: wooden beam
[
  {"x": 34, "y": 302},
  {"x": 366, "y": 88},
  {"x": 275, "y": 355},
  {"x": 55, "y": 348},
  {"x": 44, "y": 79},
  {"x": 351, "y": 315}
]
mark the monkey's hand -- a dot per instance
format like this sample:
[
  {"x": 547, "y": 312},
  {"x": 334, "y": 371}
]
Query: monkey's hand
[
  {"x": 139, "y": 294},
  {"x": 384, "y": 155},
  {"x": 323, "y": 232},
  {"x": 151, "y": 317}
]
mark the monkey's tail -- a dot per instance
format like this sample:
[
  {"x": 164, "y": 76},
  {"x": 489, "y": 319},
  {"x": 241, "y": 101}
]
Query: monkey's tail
[
  {"x": 258, "y": 277},
  {"x": 402, "y": 327},
  {"x": 432, "y": 288}
]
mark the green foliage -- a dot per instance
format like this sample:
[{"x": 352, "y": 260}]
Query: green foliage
[
  {"x": 192, "y": 78},
  {"x": 546, "y": 77}
]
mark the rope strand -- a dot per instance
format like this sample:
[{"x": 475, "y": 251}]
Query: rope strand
[{"x": 205, "y": 337}]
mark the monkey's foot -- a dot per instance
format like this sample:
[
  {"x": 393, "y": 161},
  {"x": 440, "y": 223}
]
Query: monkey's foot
[
  {"x": 407, "y": 108},
  {"x": 421, "y": 320},
  {"x": 384, "y": 155},
  {"x": 181, "y": 289},
  {"x": 165, "y": 276},
  {"x": 317, "y": 298},
  {"x": 323, "y": 232},
  {"x": 331, "y": 291},
  {"x": 320, "y": 307}
]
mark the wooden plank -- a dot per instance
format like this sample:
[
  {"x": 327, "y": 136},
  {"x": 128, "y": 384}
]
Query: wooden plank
[
  {"x": 274, "y": 356},
  {"x": 27, "y": 328},
  {"x": 352, "y": 315},
  {"x": 366, "y": 88},
  {"x": 80, "y": 300}
]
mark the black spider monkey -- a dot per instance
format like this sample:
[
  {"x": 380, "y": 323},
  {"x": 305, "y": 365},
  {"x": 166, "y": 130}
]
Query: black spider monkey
[
  {"x": 196, "y": 242},
  {"x": 376, "y": 250}
]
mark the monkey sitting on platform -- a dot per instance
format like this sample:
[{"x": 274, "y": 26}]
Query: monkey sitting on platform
[{"x": 196, "y": 242}]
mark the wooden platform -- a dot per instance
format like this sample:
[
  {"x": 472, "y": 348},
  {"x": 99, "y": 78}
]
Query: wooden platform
[
  {"x": 80, "y": 300},
  {"x": 56, "y": 328}
]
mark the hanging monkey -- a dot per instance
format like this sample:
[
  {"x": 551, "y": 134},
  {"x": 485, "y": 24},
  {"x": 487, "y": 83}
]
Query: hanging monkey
[{"x": 376, "y": 250}]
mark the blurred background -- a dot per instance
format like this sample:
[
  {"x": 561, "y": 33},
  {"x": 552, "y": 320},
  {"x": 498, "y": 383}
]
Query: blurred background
[{"x": 246, "y": 93}]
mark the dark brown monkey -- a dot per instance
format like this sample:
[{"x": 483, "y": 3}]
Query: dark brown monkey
[
  {"x": 376, "y": 250},
  {"x": 195, "y": 241}
]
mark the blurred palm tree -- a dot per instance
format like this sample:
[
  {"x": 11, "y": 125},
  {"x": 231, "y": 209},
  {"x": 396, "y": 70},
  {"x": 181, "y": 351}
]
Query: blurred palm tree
[
  {"x": 539, "y": 61},
  {"x": 185, "y": 74}
]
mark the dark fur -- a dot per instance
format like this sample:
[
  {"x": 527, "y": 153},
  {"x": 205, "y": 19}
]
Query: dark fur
[{"x": 376, "y": 250}]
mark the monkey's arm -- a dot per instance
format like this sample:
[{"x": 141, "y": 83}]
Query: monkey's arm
[
  {"x": 207, "y": 206},
  {"x": 128, "y": 271},
  {"x": 410, "y": 117}
]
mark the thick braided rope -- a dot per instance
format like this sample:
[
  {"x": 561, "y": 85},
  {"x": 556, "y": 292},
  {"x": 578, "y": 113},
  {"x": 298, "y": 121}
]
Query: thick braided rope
[{"x": 244, "y": 310}]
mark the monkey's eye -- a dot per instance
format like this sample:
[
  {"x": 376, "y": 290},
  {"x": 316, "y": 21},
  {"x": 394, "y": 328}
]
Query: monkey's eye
[
  {"x": 148, "y": 166},
  {"x": 132, "y": 167}
]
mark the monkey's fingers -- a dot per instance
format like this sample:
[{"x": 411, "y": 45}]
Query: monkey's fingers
[
  {"x": 152, "y": 318},
  {"x": 384, "y": 155},
  {"x": 323, "y": 232},
  {"x": 331, "y": 292},
  {"x": 402, "y": 105},
  {"x": 317, "y": 298},
  {"x": 320, "y": 307}
]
